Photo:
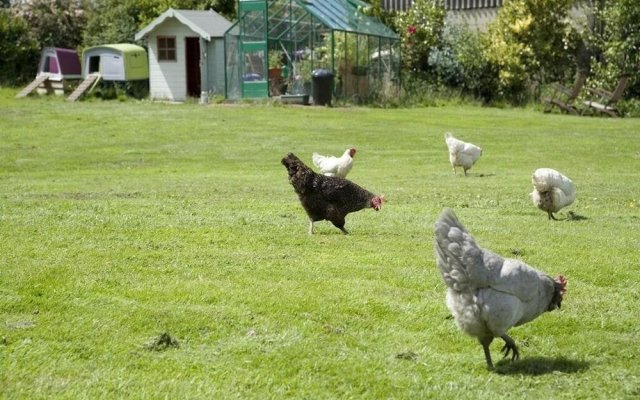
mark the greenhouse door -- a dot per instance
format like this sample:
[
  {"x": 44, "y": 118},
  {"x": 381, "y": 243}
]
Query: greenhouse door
[
  {"x": 253, "y": 48},
  {"x": 193, "y": 66}
]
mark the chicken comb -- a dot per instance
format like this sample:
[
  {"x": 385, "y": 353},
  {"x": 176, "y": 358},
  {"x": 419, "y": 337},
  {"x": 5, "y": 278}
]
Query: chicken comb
[{"x": 563, "y": 283}]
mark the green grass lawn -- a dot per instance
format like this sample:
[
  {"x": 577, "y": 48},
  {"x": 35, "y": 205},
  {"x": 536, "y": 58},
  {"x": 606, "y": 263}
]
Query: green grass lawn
[{"x": 123, "y": 221}]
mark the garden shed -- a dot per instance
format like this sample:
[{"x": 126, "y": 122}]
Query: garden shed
[
  {"x": 186, "y": 54},
  {"x": 116, "y": 62},
  {"x": 275, "y": 46}
]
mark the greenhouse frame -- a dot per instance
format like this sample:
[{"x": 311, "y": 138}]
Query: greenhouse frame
[{"x": 276, "y": 45}]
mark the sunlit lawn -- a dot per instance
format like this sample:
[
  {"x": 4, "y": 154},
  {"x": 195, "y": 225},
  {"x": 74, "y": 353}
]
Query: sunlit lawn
[{"x": 123, "y": 221}]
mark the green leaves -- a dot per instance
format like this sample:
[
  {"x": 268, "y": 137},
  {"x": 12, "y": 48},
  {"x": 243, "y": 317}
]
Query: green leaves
[
  {"x": 421, "y": 29},
  {"x": 530, "y": 41}
]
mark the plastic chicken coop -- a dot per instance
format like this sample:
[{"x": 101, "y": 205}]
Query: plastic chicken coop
[{"x": 276, "y": 45}]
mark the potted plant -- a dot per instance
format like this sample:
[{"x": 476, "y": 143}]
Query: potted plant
[
  {"x": 274, "y": 64},
  {"x": 351, "y": 58}
]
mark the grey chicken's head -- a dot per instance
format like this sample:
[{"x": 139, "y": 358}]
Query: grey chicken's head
[{"x": 559, "y": 289}]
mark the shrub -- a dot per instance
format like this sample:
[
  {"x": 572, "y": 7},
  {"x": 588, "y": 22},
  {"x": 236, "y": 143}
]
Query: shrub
[
  {"x": 462, "y": 63},
  {"x": 117, "y": 21},
  {"x": 421, "y": 29},
  {"x": 19, "y": 49},
  {"x": 614, "y": 40},
  {"x": 54, "y": 23},
  {"x": 531, "y": 42}
]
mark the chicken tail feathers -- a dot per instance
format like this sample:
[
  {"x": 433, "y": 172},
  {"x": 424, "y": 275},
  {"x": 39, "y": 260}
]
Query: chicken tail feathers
[
  {"x": 317, "y": 159},
  {"x": 459, "y": 258}
]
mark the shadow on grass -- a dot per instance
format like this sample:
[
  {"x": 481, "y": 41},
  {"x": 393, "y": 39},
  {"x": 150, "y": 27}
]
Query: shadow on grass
[
  {"x": 540, "y": 366},
  {"x": 483, "y": 175},
  {"x": 571, "y": 216}
]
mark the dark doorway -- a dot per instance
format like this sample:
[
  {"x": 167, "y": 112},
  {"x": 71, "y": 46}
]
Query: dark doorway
[
  {"x": 94, "y": 64},
  {"x": 193, "y": 66}
]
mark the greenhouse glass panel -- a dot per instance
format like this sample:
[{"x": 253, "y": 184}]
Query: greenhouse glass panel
[{"x": 281, "y": 48}]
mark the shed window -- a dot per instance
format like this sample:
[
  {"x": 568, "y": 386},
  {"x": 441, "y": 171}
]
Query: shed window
[{"x": 166, "y": 48}]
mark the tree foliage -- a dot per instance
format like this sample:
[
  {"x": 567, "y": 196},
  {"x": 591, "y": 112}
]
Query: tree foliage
[
  {"x": 531, "y": 41},
  {"x": 421, "y": 29},
  {"x": 53, "y": 23},
  {"x": 19, "y": 49},
  {"x": 476, "y": 74},
  {"x": 614, "y": 40},
  {"x": 117, "y": 21}
]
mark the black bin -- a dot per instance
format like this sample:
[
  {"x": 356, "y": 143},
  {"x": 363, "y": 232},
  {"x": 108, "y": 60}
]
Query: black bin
[{"x": 322, "y": 81}]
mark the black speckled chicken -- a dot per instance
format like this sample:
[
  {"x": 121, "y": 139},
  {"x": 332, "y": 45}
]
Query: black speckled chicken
[{"x": 327, "y": 197}]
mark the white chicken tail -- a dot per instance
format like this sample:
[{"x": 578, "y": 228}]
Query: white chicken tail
[
  {"x": 562, "y": 189},
  {"x": 545, "y": 179},
  {"x": 458, "y": 256},
  {"x": 317, "y": 159}
]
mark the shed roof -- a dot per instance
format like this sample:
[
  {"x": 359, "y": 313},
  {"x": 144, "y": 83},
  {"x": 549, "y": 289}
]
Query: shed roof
[
  {"x": 208, "y": 24},
  {"x": 120, "y": 47},
  {"x": 67, "y": 59},
  {"x": 346, "y": 15}
]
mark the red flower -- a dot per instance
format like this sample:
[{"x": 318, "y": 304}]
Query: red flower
[{"x": 411, "y": 30}]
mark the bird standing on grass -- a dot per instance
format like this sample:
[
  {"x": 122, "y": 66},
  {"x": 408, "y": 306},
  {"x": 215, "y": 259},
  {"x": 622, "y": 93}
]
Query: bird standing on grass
[
  {"x": 461, "y": 154},
  {"x": 327, "y": 197},
  {"x": 552, "y": 191},
  {"x": 335, "y": 166},
  {"x": 488, "y": 294}
]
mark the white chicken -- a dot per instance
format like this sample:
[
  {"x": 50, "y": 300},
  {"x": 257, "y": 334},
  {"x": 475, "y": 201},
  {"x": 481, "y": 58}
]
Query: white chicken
[
  {"x": 488, "y": 294},
  {"x": 335, "y": 166},
  {"x": 461, "y": 154},
  {"x": 551, "y": 191}
]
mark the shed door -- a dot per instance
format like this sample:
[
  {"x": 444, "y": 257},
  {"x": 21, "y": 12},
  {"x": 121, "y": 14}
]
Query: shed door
[
  {"x": 94, "y": 64},
  {"x": 193, "y": 66},
  {"x": 252, "y": 15},
  {"x": 112, "y": 67}
]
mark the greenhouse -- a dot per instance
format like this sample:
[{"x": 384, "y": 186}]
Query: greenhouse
[{"x": 277, "y": 47}]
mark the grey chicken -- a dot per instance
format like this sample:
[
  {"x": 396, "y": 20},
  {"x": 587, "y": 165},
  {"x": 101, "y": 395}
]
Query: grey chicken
[{"x": 488, "y": 294}]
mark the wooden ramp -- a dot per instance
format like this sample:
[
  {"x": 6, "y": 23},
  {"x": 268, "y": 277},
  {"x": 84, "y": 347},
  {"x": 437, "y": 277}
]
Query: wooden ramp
[
  {"x": 88, "y": 81},
  {"x": 32, "y": 86}
]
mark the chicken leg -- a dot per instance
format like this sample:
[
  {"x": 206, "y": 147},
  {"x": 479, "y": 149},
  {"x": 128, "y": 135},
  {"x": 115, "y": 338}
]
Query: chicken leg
[
  {"x": 551, "y": 216},
  {"x": 510, "y": 346},
  {"x": 485, "y": 342},
  {"x": 338, "y": 222}
]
